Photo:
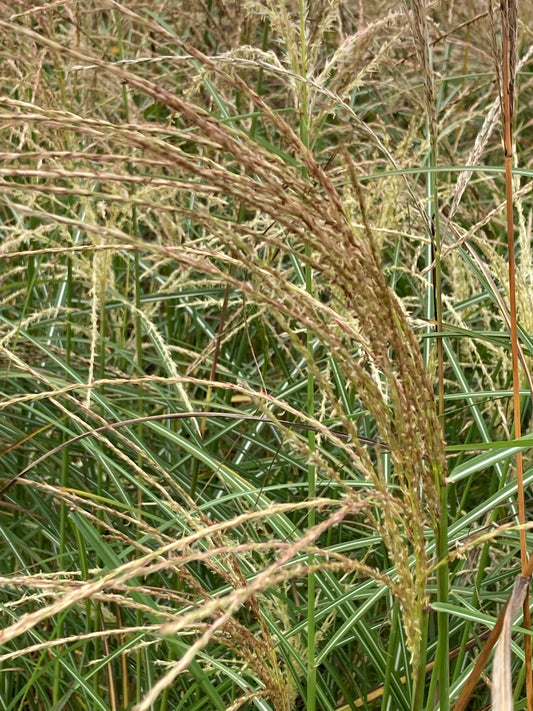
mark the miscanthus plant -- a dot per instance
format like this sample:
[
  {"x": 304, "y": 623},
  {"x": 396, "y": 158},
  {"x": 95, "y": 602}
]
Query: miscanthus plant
[{"x": 255, "y": 367}]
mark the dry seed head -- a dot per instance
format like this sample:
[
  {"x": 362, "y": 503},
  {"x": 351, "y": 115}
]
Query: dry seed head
[{"x": 419, "y": 25}]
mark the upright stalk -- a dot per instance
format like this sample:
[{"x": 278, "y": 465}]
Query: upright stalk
[
  {"x": 442, "y": 665},
  {"x": 441, "y": 673},
  {"x": 65, "y": 465},
  {"x": 509, "y": 12},
  {"x": 311, "y": 439}
]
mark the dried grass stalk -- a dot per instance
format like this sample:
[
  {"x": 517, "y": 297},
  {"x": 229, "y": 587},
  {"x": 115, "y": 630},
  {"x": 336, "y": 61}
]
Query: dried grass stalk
[{"x": 502, "y": 688}]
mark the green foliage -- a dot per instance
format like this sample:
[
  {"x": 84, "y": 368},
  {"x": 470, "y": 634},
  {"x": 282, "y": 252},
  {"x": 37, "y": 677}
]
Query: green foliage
[{"x": 225, "y": 478}]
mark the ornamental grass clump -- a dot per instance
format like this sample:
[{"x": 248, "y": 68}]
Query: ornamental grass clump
[{"x": 225, "y": 347}]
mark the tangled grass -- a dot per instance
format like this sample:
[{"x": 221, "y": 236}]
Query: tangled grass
[{"x": 229, "y": 230}]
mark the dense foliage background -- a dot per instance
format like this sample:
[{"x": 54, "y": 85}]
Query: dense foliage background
[{"x": 229, "y": 229}]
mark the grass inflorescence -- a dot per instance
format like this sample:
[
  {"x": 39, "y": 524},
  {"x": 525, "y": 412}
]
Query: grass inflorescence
[{"x": 253, "y": 334}]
